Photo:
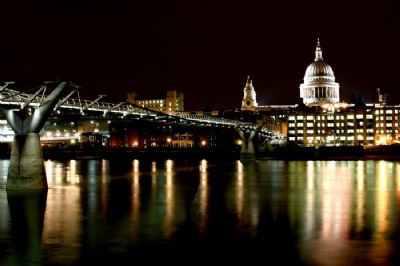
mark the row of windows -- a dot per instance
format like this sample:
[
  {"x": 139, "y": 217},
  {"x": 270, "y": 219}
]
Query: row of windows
[
  {"x": 349, "y": 124},
  {"x": 146, "y": 102},
  {"x": 342, "y": 117},
  {"x": 388, "y": 118},
  {"x": 388, "y": 111},
  {"x": 152, "y": 103},
  {"x": 311, "y": 139},
  {"x": 338, "y": 131}
]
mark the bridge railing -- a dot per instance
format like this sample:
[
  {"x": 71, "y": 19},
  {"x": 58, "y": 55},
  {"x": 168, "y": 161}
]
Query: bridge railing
[{"x": 214, "y": 120}]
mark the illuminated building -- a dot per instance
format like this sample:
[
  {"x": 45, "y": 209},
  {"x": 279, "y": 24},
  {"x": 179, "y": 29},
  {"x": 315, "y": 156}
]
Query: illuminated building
[
  {"x": 171, "y": 101},
  {"x": 321, "y": 119},
  {"x": 144, "y": 134},
  {"x": 352, "y": 124},
  {"x": 319, "y": 85},
  {"x": 249, "y": 102}
]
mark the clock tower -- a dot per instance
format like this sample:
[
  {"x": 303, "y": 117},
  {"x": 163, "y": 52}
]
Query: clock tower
[{"x": 249, "y": 102}]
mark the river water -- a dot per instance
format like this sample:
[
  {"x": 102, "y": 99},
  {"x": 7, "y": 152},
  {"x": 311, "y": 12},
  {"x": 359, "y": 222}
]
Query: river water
[{"x": 266, "y": 212}]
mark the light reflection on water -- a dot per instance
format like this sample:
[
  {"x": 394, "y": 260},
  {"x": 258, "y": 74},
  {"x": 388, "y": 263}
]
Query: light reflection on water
[{"x": 297, "y": 212}]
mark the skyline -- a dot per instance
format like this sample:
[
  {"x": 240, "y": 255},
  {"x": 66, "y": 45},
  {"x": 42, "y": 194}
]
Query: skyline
[{"x": 204, "y": 49}]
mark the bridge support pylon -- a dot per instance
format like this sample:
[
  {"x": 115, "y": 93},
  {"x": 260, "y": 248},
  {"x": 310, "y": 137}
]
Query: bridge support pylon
[
  {"x": 247, "y": 152},
  {"x": 26, "y": 170}
]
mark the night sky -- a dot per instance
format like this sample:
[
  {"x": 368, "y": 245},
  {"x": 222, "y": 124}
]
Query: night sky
[{"x": 205, "y": 49}]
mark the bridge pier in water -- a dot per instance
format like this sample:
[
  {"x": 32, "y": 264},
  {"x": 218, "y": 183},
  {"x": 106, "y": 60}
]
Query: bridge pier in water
[
  {"x": 26, "y": 170},
  {"x": 247, "y": 152}
]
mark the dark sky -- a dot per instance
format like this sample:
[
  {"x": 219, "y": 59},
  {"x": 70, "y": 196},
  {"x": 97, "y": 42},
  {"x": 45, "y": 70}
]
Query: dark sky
[{"x": 204, "y": 49}]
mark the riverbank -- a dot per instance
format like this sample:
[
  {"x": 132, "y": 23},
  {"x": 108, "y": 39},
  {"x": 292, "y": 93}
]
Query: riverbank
[{"x": 381, "y": 152}]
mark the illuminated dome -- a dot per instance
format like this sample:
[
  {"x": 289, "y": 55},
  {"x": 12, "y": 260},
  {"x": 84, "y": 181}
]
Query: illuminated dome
[
  {"x": 319, "y": 69},
  {"x": 319, "y": 82}
]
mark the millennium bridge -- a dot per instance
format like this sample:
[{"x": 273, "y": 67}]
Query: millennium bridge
[
  {"x": 27, "y": 110},
  {"x": 13, "y": 99}
]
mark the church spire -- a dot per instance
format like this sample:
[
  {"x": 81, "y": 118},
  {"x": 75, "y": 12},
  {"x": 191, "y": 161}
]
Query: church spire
[
  {"x": 248, "y": 82},
  {"x": 249, "y": 102},
  {"x": 318, "y": 52}
]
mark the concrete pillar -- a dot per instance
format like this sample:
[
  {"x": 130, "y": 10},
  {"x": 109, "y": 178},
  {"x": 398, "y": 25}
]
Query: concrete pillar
[
  {"x": 26, "y": 169},
  {"x": 247, "y": 150}
]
